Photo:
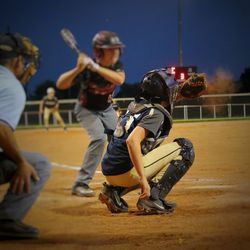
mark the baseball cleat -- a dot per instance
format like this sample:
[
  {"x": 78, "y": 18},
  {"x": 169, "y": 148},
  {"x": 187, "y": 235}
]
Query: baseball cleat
[
  {"x": 13, "y": 229},
  {"x": 83, "y": 191},
  {"x": 110, "y": 196},
  {"x": 151, "y": 206}
]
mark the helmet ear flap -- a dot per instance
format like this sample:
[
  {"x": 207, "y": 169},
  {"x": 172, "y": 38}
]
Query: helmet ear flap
[
  {"x": 145, "y": 83},
  {"x": 98, "y": 52}
]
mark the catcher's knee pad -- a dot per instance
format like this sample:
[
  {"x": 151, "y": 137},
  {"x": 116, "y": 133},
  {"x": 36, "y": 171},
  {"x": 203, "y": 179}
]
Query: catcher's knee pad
[
  {"x": 177, "y": 168},
  {"x": 187, "y": 151}
]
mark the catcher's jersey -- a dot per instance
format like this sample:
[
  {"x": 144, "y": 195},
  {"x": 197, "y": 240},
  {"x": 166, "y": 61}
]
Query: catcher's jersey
[
  {"x": 96, "y": 91},
  {"x": 50, "y": 102},
  {"x": 117, "y": 160}
]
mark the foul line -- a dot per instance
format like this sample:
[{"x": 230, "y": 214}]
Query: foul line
[
  {"x": 219, "y": 186},
  {"x": 55, "y": 164}
]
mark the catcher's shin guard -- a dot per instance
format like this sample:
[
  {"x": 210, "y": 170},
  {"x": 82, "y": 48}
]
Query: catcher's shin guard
[
  {"x": 111, "y": 196},
  {"x": 176, "y": 169}
]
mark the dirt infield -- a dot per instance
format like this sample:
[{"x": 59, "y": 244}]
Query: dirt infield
[{"x": 213, "y": 198}]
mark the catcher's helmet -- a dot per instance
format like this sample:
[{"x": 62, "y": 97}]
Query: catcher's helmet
[
  {"x": 157, "y": 85},
  {"x": 107, "y": 40}
]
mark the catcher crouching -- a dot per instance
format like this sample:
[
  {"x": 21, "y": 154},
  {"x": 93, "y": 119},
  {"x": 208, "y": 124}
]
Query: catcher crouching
[{"x": 137, "y": 158}]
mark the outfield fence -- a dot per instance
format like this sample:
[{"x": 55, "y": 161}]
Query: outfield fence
[{"x": 204, "y": 107}]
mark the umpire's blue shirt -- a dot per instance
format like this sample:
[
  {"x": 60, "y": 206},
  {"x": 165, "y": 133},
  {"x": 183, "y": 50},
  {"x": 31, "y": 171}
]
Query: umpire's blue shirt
[{"x": 12, "y": 98}]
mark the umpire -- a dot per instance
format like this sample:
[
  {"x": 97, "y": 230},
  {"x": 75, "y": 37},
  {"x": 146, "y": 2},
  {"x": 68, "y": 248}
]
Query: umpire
[{"x": 26, "y": 172}]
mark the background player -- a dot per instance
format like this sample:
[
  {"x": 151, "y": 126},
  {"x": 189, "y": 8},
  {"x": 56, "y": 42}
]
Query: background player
[
  {"x": 135, "y": 156},
  {"x": 26, "y": 172},
  {"x": 98, "y": 79},
  {"x": 50, "y": 105}
]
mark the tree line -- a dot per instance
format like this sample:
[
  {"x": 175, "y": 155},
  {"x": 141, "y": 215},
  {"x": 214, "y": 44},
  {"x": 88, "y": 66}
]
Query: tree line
[{"x": 127, "y": 89}]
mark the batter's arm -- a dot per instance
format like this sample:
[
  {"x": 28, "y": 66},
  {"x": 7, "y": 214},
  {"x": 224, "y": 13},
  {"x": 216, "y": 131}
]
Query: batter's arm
[
  {"x": 112, "y": 76},
  {"x": 65, "y": 80}
]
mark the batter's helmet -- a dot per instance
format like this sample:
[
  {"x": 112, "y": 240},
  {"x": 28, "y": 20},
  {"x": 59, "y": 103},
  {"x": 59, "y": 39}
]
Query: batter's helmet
[
  {"x": 107, "y": 40},
  {"x": 157, "y": 85}
]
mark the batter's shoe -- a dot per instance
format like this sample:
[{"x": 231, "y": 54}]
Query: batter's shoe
[
  {"x": 110, "y": 195},
  {"x": 153, "y": 206},
  {"x": 82, "y": 190},
  {"x": 12, "y": 229}
]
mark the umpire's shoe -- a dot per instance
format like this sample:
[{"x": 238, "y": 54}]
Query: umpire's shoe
[
  {"x": 12, "y": 229},
  {"x": 155, "y": 206},
  {"x": 82, "y": 190},
  {"x": 110, "y": 195}
]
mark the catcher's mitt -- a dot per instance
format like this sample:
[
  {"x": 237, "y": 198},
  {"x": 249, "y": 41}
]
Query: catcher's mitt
[{"x": 193, "y": 87}]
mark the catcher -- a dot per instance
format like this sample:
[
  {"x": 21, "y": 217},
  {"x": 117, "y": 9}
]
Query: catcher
[
  {"x": 50, "y": 105},
  {"x": 136, "y": 156}
]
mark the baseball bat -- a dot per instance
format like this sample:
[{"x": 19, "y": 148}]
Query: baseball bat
[{"x": 70, "y": 40}]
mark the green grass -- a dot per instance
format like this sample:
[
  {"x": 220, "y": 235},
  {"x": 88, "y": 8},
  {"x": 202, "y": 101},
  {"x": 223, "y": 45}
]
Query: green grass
[
  {"x": 213, "y": 119},
  {"x": 76, "y": 125}
]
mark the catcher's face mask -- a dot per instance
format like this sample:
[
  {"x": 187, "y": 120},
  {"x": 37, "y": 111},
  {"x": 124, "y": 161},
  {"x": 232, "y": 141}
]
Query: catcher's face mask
[
  {"x": 158, "y": 84},
  {"x": 14, "y": 45},
  {"x": 31, "y": 56}
]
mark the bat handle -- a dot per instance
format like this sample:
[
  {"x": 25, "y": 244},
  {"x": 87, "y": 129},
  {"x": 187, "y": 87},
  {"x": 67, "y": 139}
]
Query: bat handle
[{"x": 77, "y": 50}]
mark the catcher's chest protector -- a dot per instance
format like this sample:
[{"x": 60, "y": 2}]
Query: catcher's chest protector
[{"x": 136, "y": 111}]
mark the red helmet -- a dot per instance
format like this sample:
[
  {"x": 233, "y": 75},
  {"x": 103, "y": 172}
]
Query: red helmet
[{"x": 107, "y": 40}]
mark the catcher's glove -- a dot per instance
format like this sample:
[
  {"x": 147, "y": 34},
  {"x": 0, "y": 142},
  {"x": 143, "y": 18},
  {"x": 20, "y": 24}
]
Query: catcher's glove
[{"x": 193, "y": 87}]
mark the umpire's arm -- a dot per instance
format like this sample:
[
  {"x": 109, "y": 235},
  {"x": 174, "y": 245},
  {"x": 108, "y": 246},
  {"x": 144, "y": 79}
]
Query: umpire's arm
[{"x": 21, "y": 180}]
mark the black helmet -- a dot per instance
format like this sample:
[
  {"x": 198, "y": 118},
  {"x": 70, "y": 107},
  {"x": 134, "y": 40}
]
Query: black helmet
[
  {"x": 107, "y": 40},
  {"x": 158, "y": 85},
  {"x": 13, "y": 45}
]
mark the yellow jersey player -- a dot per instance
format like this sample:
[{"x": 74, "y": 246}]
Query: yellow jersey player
[{"x": 50, "y": 105}]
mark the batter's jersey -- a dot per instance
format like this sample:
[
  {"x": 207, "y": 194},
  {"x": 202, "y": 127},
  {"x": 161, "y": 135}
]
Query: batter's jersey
[
  {"x": 50, "y": 102},
  {"x": 116, "y": 159},
  {"x": 96, "y": 91}
]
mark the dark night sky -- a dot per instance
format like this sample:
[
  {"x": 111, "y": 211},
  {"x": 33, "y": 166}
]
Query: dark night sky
[{"x": 215, "y": 33}]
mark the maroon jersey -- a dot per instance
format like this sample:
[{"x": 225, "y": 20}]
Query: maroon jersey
[{"x": 96, "y": 91}]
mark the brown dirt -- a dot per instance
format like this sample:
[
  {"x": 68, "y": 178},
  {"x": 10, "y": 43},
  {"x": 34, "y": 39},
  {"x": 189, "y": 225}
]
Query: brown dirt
[{"x": 213, "y": 197}]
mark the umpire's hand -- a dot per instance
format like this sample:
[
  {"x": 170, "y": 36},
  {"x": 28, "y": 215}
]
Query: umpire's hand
[{"x": 21, "y": 180}]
